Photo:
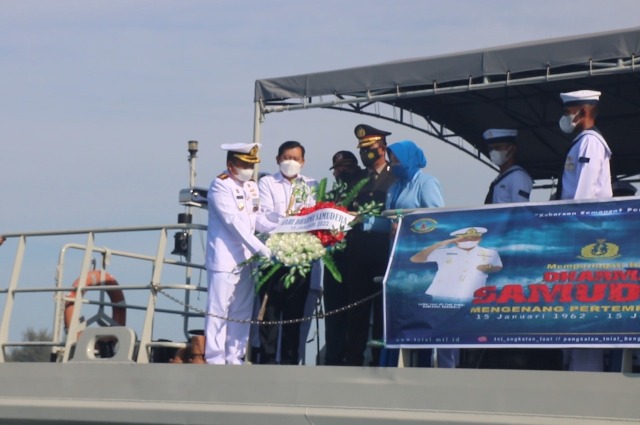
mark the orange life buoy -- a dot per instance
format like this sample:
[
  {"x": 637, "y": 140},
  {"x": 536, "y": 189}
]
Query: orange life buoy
[{"x": 98, "y": 278}]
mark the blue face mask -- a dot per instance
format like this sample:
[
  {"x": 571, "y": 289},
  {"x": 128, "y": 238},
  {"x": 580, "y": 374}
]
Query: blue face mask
[{"x": 400, "y": 171}]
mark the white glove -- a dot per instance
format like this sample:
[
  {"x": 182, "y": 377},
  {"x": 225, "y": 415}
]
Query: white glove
[
  {"x": 265, "y": 252},
  {"x": 274, "y": 217}
]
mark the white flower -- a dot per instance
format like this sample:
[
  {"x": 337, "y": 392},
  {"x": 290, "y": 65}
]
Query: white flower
[{"x": 294, "y": 249}]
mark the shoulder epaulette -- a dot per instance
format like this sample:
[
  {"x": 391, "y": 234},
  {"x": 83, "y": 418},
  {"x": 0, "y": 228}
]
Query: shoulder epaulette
[{"x": 223, "y": 176}]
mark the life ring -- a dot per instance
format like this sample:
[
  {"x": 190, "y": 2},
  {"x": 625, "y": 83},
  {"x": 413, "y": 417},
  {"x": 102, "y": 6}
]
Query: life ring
[{"x": 98, "y": 278}]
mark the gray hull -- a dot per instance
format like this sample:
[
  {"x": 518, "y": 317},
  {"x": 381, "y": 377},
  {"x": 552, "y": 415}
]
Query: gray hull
[{"x": 281, "y": 395}]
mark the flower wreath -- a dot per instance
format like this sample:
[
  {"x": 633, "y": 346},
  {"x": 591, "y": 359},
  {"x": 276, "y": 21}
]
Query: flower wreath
[{"x": 298, "y": 250}]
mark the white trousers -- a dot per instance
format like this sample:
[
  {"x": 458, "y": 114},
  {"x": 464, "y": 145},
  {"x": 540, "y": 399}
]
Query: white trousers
[{"x": 229, "y": 295}]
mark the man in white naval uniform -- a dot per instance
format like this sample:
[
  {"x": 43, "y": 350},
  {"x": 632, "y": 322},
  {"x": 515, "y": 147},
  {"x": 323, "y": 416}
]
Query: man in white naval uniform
[
  {"x": 233, "y": 206},
  {"x": 513, "y": 183},
  {"x": 282, "y": 194},
  {"x": 462, "y": 269},
  {"x": 586, "y": 175}
]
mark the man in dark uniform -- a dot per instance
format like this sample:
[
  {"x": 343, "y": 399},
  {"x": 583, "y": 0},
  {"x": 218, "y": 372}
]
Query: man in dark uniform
[
  {"x": 367, "y": 252},
  {"x": 345, "y": 170}
]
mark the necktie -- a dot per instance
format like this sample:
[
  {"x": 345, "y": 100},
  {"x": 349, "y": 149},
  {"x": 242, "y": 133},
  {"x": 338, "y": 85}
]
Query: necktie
[{"x": 489, "y": 198}]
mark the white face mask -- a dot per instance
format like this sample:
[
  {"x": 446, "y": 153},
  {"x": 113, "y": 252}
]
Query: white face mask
[
  {"x": 468, "y": 244},
  {"x": 290, "y": 168},
  {"x": 499, "y": 157},
  {"x": 566, "y": 123},
  {"x": 242, "y": 174}
]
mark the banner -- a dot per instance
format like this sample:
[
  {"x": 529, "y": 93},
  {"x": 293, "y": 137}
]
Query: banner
[
  {"x": 323, "y": 219},
  {"x": 553, "y": 274}
]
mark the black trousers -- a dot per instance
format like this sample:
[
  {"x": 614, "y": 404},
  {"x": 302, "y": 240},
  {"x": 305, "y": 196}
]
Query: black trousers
[
  {"x": 335, "y": 326},
  {"x": 282, "y": 304},
  {"x": 360, "y": 285}
]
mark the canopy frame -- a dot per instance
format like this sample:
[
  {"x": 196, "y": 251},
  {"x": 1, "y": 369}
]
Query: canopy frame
[{"x": 526, "y": 99}]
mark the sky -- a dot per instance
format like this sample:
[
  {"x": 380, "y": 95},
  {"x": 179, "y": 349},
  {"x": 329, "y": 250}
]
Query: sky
[{"x": 98, "y": 99}]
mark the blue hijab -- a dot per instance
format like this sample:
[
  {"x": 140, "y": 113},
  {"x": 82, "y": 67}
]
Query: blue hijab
[{"x": 411, "y": 159}]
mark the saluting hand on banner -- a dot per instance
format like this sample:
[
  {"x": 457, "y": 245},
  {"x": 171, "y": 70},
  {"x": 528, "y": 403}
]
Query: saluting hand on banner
[
  {"x": 421, "y": 257},
  {"x": 488, "y": 268}
]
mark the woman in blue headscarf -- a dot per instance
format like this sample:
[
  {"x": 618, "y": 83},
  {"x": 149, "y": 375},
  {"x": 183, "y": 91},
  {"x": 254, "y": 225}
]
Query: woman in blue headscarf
[{"x": 413, "y": 189}]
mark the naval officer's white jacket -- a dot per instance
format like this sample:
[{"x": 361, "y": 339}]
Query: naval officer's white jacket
[
  {"x": 233, "y": 208},
  {"x": 587, "y": 174},
  {"x": 458, "y": 276}
]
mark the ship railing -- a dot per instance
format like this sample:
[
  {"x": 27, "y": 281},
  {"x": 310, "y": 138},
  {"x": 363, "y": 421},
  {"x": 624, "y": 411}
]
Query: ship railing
[{"x": 63, "y": 342}]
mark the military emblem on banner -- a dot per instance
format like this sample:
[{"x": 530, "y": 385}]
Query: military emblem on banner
[
  {"x": 423, "y": 225},
  {"x": 601, "y": 250}
]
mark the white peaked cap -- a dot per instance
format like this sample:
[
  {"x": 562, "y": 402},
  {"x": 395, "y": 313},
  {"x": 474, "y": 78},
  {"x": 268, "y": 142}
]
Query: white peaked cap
[
  {"x": 580, "y": 97},
  {"x": 469, "y": 231},
  {"x": 497, "y": 133},
  {"x": 247, "y": 152},
  {"x": 240, "y": 147}
]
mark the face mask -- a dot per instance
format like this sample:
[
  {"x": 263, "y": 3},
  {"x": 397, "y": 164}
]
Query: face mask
[
  {"x": 468, "y": 244},
  {"x": 242, "y": 174},
  {"x": 499, "y": 157},
  {"x": 369, "y": 156},
  {"x": 400, "y": 171},
  {"x": 290, "y": 168},
  {"x": 566, "y": 123},
  {"x": 345, "y": 176}
]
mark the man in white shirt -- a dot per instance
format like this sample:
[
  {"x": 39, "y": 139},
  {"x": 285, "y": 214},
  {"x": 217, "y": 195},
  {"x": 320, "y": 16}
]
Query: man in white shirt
[
  {"x": 282, "y": 194},
  {"x": 586, "y": 175},
  {"x": 233, "y": 208}
]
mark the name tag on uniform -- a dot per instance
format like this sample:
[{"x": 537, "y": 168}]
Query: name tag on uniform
[{"x": 239, "y": 199}]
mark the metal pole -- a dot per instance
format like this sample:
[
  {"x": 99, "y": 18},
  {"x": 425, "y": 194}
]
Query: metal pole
[
  {"x": 258, "y": 118},
  {"x": 193, "y": 150}
]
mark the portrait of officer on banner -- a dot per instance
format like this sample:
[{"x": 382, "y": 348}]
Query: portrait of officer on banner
[{"x": 463, "y": 265}]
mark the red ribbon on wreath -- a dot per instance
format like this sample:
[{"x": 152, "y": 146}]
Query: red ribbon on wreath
[{"x": 328, "y": 238}]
